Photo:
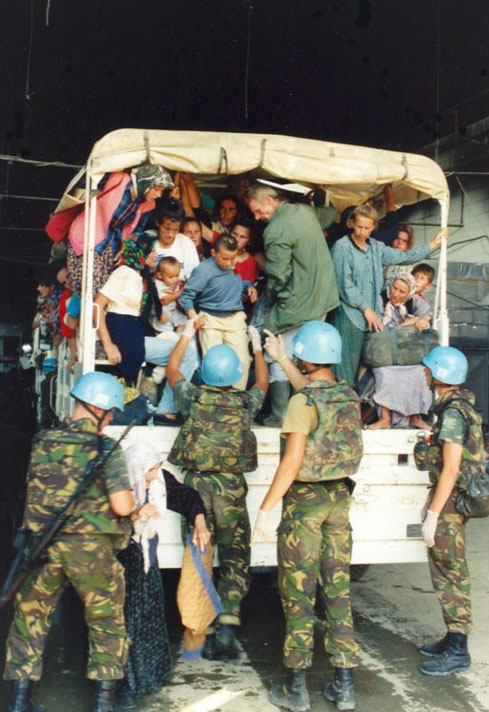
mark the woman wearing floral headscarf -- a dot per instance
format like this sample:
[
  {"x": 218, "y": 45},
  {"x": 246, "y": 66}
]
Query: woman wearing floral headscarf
[
  {"x": 122, "y": 309},
  {"x": 123, "y": 206},
  {"x": 401, "y": 392},
  {"x": 155, "y": 491}
]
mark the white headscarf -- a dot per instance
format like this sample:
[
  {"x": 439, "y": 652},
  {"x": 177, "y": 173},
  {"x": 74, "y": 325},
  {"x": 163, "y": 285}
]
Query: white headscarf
[
  {"x": 142, "y": 457},
  {"x": 399, "y": 273}
]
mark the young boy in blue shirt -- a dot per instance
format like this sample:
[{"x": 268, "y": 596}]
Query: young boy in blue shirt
[{"x": 217, "y": 293}]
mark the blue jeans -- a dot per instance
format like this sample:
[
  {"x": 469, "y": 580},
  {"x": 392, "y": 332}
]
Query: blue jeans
[{"x": 157, "y": 351}]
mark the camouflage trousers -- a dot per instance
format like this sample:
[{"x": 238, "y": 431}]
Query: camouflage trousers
[
  {"x": 314, "y": 546},
  {"x": 224, "y": 496},
  {"x": 449, "y": 570},
  {"x": 88, "y": 562}
]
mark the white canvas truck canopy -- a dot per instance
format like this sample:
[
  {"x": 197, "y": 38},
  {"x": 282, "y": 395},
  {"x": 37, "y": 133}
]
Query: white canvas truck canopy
[{"x": 351, "y": 174}]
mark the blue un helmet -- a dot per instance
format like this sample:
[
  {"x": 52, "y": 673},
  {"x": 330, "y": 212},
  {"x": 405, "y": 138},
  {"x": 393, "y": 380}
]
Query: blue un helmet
[
  {"x": 447, "y": 365},
  {"x": 99, "y": 389},
  {"x": 221, "y": 366},
  {"x": 317, "y": 342}
]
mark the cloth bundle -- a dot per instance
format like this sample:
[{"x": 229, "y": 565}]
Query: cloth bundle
[
  {"x": 398, "y": 346},
  {"x": 197, "y": 598}
]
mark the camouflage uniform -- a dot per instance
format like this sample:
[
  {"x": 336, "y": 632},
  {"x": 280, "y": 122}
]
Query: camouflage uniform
[
  {"x": 314, "y": 536},
  {"x": 82, "y": 553},
  {"x": 216, "y": 446},
  {"x": 459, "y": 423}
]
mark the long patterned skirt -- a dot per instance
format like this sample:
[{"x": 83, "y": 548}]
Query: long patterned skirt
[{"x": 149, "y": 663}]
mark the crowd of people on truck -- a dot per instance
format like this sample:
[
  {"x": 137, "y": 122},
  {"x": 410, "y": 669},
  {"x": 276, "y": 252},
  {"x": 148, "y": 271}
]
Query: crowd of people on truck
[
  {"x": 217, "y": 296},
  {"x": 264, "y": 259}
]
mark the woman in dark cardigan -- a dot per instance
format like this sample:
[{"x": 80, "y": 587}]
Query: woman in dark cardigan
[{"x": 155, "y": 490}]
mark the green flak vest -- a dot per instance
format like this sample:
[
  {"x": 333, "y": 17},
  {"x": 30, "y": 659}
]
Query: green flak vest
[
  {"x": 59, "y": 460},
  {"x": 216, "y": 436},
  {"x": 334, "y": 450},
  {"x": 473, "y": 460}
]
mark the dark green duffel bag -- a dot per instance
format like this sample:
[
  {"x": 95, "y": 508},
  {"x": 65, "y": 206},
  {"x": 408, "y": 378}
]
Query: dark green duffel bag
[{"x": 398, "y": 346}]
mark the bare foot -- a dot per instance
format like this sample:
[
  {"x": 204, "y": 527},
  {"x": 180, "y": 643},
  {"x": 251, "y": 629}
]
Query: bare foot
[
  {"x": 416, "y": 421},
  {"x": 380, "y": 425}
]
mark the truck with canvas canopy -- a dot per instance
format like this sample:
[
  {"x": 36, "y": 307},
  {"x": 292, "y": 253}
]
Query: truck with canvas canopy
[{"x": 389, "y": 490}]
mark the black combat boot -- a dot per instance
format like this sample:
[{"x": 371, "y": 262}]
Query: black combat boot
[
  {"x": 226, "y": 645},
  {"x": 340, "y": 690},
  {"x": 279, "y": 399},
  {"x": 433, "y": 650},
  {"x": 455, "y": 658},
  {"x": 105, "y": 696},
  {"x": 292, "y": 694},
  {"x": 20, "y": 700}
]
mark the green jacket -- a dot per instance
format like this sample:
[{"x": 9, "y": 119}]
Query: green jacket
[
  {"x": 59, "y": 460},
  {"x": 334, "y": 450},
  {"x": 301, "y": 279}
]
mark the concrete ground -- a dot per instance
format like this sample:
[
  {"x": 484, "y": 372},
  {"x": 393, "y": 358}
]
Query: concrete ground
[{"x": 395, "y": 611}]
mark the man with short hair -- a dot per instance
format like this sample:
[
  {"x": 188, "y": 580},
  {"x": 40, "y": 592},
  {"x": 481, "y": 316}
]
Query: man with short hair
[
  {"x": 301, "y": 280},
  {"x": 83, "y": 551}
]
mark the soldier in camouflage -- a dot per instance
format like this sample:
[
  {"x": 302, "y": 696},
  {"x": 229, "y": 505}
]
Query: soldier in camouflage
[
  {"x": 322, "y": 434},
  {"x": 216, "y": 446},
  {"x": 455, "y": 452},
  {"x": 83, "y": 552}
]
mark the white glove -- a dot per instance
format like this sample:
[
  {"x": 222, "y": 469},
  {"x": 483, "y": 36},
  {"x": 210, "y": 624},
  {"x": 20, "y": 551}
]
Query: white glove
[
  {"x": 429, "y": 528},
  {"x": 274, "y": 346},
  {"x": 189, "y": 328},
  {"x": 425, "y": 507},
  {"x": 255, "y": 338},
  {"x": 260, "y": 530}
]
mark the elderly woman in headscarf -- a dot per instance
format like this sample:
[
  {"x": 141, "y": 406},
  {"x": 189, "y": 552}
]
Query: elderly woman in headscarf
[
  {"x": 122, "y": 310},
  {"x": 124, "y": 204},
  {"x": 155, "y": 491},
  {"x": 401, "y": 392}
]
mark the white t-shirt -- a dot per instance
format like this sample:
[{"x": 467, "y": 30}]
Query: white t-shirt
[
  {"x": 124, "y": 290},
  {"x": 186, "y": 253}
]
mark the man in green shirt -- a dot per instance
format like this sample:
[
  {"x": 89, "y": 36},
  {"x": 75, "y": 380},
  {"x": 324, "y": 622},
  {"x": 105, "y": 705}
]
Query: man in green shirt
[{"x": 301, "y": 282}]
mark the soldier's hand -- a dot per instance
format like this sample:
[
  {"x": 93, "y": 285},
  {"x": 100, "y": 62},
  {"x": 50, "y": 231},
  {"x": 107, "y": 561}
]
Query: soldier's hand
[
  {"x": 429, "y": 528},
  {"x": 274, "y": 346},
  {"x": 260, "y": 530},
  {"x": 201, "y": 536},
  {"x": 255, "y": 338}
]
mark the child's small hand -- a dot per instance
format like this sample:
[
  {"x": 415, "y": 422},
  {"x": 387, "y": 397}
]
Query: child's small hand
[
  {"x": 253, "y": 294},
  {"x": 164, "y": 318}
]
